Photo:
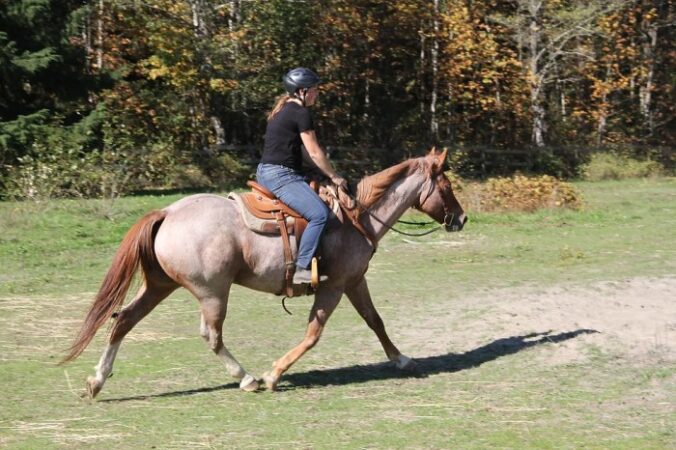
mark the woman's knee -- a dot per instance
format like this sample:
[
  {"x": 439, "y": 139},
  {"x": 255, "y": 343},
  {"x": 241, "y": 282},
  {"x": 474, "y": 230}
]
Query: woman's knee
[{"x": 319, "y": 214}]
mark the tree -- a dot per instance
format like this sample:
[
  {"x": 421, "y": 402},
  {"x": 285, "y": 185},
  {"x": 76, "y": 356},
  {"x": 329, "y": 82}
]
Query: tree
[
  {"x": 548, "y": 35},
  {"x": 485, "y": 91},
  {"x": 44, "y": 84}
]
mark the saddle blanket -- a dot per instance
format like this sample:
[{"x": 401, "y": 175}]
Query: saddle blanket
[{"x": 262, "y": 226}]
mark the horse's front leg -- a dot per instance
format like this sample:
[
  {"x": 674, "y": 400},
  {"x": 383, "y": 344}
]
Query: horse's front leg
[
  {"x": 325, "y": 302},
  {"x": 360, "y": 297}
]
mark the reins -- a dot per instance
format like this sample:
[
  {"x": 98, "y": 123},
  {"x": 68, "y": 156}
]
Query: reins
[
  {"x": 419, "y": 224},
  {"x": 405, "y": 233},
  {"x": 448, "y": 217}
]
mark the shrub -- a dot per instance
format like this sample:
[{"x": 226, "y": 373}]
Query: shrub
[
  {"x": 51, "y": 172},
  {"x": 612, "y": 166},
  {"x": 517, "y": 193}
]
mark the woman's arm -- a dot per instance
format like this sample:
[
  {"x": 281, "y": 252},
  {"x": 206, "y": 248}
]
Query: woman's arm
[{"x": 318, "y": 157}]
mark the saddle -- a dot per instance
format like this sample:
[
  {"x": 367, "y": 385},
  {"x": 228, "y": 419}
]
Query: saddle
[
  {"x": 264, "y": 205},
  {"x": 264, "y": 213}
]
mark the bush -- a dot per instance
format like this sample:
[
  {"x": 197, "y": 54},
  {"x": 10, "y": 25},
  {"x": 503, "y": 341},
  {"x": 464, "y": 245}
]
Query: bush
[
  {"x": 58, "y": 171},
  {"x": 517, "y": 193},
  {"x": 612, "y": 166},
  {"x": 55, "y": 172}
]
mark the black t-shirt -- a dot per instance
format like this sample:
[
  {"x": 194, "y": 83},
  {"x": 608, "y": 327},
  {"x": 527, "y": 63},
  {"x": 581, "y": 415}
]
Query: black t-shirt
[{"x": 282, "y": 136}]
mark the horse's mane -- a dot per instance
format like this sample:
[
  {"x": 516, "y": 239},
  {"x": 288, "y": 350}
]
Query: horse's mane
[{"x": 372, "y": 187}]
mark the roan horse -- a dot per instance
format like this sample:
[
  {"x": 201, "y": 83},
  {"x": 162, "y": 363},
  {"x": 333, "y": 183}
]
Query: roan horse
[{"x": 201, "y": 243}]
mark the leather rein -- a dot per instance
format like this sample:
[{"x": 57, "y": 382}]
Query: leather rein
[{"x": 448, "y": 218}]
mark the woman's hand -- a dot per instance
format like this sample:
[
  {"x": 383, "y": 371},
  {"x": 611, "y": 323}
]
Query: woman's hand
[{"x": 340, "y": 182}]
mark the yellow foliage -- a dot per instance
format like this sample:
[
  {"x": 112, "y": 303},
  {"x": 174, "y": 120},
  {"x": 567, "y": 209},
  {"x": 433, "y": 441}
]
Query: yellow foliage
[
  {"x": 221, "y": 85},
  {"x": 475, "y": 65},
  {"x": 156, "y": 68},
  {"x": 517, "y": 193}
]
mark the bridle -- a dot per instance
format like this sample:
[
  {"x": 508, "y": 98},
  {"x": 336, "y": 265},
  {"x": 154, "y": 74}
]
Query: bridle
[{"x": 448, "y": 216}]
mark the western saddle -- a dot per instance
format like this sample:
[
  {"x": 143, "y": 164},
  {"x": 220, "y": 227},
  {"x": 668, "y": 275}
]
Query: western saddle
[{"x": 264, "y": 213}]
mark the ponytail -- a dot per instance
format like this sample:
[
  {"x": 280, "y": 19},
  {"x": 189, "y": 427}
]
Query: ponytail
[{"x": 279, "y": 103}]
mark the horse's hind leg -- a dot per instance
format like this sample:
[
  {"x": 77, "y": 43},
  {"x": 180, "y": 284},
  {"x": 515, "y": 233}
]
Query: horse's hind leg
[
  {"x": 214, "y": 309},
  {"x": 360, "y": 297},
  {"x": 148, "y": 297}
]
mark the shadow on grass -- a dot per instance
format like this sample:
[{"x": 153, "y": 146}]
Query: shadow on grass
[
  {"x": 173, "y": 394},
  {"x": 426, "y": 366}
]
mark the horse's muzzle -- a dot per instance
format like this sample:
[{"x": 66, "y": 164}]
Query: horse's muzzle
[{"x": 455, "y": 223}]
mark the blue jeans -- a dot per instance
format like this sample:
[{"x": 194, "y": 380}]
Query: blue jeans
[{"x": 290, "y": 187}]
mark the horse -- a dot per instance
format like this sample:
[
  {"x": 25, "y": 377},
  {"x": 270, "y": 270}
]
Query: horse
[{"x": 201, "y": 243}]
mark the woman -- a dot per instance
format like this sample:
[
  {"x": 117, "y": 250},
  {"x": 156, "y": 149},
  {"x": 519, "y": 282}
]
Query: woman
[{"x": 290, "y": 125}]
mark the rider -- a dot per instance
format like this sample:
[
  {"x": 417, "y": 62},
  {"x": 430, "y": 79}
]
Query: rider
[{"x": 289, "y": 125}]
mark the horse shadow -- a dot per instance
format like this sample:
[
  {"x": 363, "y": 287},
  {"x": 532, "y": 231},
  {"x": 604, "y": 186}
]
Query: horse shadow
[{"x": 426, "y": 366}]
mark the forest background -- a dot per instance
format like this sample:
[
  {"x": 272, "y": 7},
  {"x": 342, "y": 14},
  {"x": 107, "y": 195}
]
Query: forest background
[{"x": 106, "y": 97}]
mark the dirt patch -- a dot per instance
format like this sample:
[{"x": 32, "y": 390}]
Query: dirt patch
[{"x": 633, "y": 319}]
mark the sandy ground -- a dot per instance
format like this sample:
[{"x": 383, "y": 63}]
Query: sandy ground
[{"x": 633, "y": 319}]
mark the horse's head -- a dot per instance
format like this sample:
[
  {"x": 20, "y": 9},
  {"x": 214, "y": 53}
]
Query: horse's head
[{"x": 437, "y": 199}]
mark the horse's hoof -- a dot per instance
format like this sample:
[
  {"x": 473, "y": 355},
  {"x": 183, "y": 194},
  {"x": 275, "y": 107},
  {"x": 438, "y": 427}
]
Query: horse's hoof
[
  {"x": 407, "y": 364},
  {"x": 93, "y": 387},
  {"x": 270, "y": 381},
  {"x": 249, "y": 384}
]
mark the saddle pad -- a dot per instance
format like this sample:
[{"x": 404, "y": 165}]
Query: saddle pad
[{"x": 257, "y": 224}]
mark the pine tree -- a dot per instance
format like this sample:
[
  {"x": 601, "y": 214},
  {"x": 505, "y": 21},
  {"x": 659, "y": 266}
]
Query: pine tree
[{"x": 44, "y": 84}]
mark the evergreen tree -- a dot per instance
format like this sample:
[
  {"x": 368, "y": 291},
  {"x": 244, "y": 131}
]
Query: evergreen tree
[{"x": 44, "y": 84}]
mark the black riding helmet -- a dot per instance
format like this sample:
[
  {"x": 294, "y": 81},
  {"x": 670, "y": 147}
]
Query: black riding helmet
[{"x": 300, "y": 78}]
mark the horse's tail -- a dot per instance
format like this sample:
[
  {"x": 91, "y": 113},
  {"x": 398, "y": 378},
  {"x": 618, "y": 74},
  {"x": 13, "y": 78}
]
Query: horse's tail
[{"x": 137, "y": 248}]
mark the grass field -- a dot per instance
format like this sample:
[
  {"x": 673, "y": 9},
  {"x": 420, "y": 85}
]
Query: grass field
[{"x": 554, "y": 329}]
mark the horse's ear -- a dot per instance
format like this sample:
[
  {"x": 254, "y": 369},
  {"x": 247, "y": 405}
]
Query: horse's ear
[
  {"x": 433, "y": 151},
  {"x": 439, "y": 160}
]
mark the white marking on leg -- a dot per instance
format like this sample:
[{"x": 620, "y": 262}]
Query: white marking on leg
[
  {"x": 204, "y": 330},
  {"x": 233, "y": 367},
  {"x": 105, "y": 366}
]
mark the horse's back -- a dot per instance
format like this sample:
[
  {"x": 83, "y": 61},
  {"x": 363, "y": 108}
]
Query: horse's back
[{"x": 198, "y": 201}]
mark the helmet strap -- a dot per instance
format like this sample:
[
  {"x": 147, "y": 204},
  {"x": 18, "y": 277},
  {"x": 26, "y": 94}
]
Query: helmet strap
[{"x": 300, "y": 95}]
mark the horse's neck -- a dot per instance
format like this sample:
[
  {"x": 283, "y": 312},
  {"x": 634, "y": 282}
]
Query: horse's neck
[{"x": 397, "y": 199}]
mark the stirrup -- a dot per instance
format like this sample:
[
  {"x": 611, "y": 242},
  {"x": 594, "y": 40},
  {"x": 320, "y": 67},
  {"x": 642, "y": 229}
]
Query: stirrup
[{"x": 315, "y": 272}]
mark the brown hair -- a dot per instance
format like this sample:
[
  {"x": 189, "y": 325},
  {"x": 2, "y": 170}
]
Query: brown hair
[{"x": 278, "y": 105}]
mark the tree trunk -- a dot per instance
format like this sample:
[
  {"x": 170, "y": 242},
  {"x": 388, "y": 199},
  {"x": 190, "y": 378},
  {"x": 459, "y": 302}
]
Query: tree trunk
[
  {"x": 87, "y": 40},
  {"x": 421, "y": 73},
  {"x": 536, "y": 81},
  {"x": 235, "y": 16},
  {"x": 562, "y": 101},
  {"x": 99, "y": 38},
  {"x": 645, "y": 92},
  {"x": 198, "y": 18},
  {"x": 538, "y": 111},
  {"x": 202, "y": 33},
  {"x": 449, "y": 114},
  {"x": 367, "y": 101},
  {"x": 602, "y": 125},
  {"x": 219, "y": 131},
  {"x": 434, "y": 124}
]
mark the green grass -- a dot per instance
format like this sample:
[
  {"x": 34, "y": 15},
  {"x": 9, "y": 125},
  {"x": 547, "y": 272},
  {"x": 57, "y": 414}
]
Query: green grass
[
  {"x": 169, "y": 391},
  {"x": 625, "y": 229}
]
